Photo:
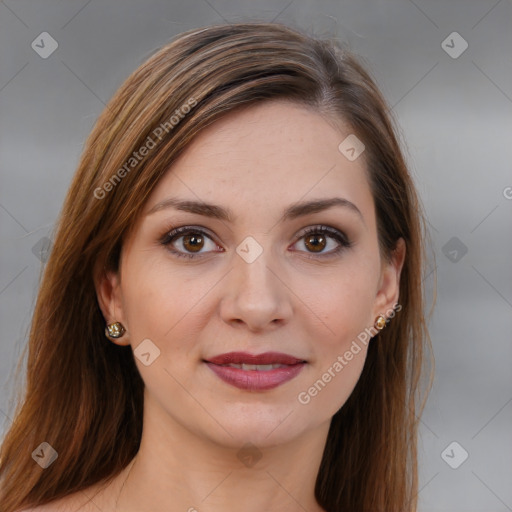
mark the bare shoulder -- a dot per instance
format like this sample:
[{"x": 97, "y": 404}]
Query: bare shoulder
[
  {"x": 53, "y": 506},
  {"x": 62, "y": 505},
  {"x": 82, "y": 501},
  {"x": 100, "y": 496}
]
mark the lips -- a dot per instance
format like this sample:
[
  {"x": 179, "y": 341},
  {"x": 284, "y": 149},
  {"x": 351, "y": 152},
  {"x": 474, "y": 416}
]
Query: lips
[
  {"x": 259, "y": 359},
  {"x": 255, "y": 372}
]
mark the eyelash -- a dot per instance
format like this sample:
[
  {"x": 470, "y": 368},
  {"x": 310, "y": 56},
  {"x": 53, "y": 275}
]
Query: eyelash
[{"x": 177, "y": 233}]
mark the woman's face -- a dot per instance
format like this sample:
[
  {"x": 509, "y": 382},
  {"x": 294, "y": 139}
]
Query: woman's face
[{"x": 246, "y": 276}]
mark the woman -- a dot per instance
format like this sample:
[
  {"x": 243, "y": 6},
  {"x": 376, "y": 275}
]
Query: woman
[{"x": 232, "y": 312}]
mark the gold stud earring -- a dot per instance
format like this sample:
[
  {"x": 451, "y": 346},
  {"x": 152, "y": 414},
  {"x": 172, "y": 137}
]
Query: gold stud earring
[
  {"x": 380, "y": 322},
  {"x": 115, "y": 330}
]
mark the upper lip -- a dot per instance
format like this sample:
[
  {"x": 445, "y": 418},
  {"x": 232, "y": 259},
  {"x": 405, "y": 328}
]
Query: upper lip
[{"x": 245, "y": 357}]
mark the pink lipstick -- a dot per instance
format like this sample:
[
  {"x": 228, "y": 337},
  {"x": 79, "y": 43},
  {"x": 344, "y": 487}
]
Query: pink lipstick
[{"x": 255, "y": 372}]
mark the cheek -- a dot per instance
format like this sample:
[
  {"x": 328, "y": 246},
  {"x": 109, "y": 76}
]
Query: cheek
[
  {"x": 334, "y": 384},
  {"x": 341, "y": 353},
  {"x": 346, "y": 305},
  {"x": 164, "y": 309},
  {"x": 341, "y": 339},
  {"x": 162, "y": 304}
]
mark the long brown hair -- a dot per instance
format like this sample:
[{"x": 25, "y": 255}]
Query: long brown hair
[{"x": 84, "y": 395}]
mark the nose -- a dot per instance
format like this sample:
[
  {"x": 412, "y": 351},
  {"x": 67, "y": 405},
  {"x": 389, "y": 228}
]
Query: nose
[{"x": 256, "y": 294}]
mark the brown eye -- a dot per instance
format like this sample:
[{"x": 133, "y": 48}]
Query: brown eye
[
  {"x": 193, "y": 243},
  {"x": 315, "y": 243},
  {"x": 324, "y": 241},
  {"x": 188, "y": 242}
]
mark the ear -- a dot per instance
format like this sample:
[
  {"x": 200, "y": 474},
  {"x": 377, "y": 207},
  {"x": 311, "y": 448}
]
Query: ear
[
  {"x": 108, "y": 292},
  {"x": 389, "y": 285}
]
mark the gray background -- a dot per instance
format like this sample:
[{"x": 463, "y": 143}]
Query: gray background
[{"x": 455, "y": 112}]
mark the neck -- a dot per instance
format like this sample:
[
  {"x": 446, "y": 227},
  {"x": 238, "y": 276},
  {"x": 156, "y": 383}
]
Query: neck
[{"x": 175, "y": 470}]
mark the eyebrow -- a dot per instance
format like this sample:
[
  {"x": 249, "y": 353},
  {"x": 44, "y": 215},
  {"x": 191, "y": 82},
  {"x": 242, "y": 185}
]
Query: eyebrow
[{"x": 294, "y": 211}]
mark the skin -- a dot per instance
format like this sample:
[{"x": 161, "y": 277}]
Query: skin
[{"x": 291, "y": 299}]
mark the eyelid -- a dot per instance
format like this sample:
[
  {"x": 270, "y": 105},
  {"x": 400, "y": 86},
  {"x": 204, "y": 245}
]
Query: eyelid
[
  {"x": 328, "y": 230},
  {"x": 177, "y": 232},
  {"x": 344, "y": 242}
]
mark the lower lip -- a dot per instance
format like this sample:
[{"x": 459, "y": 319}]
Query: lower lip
[{"x": 256, "y": 380}]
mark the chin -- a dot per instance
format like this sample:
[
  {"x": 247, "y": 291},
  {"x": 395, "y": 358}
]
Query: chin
[{"x": 263, "y": 426}]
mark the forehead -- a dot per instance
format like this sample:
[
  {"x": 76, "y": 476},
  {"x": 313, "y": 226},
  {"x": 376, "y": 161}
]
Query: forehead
[{"x": 265, "y": 157}]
